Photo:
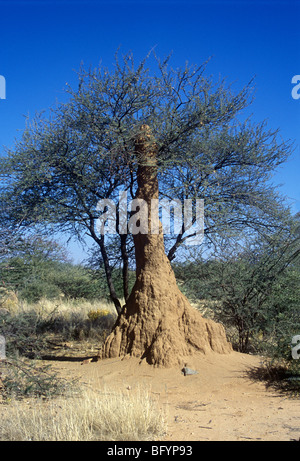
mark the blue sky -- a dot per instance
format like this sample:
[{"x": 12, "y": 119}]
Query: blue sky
[{"x": 43, "y": 42}]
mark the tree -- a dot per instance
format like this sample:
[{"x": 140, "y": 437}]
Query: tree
[
  {"x": 26, "y": 267},
  {"x": 87, "y": 151}
]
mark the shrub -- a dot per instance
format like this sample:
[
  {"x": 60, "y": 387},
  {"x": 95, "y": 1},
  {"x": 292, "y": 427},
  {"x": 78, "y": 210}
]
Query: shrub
[
  {"x": 25, "y": 378},
  {"x": 256, "y": 289},
  {"x": 22, "y": 331},
  {"x": 37, "y": 277}
]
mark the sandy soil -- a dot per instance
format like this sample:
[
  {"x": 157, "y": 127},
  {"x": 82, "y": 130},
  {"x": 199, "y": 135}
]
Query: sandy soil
[{"x": 220, "y": 403}]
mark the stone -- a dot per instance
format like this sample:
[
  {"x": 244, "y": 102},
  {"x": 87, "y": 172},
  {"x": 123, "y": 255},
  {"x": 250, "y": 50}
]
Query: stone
[{"x": 188, "y": 371}]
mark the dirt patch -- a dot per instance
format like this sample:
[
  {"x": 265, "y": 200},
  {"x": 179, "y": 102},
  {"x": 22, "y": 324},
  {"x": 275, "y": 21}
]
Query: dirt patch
[{"x": 220, "y": 402}]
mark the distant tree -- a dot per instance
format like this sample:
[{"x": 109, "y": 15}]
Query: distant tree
[
  {"x": 25, "y": 267},
  {"x": 36, "y": 275}
]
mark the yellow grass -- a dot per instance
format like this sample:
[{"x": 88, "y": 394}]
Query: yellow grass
[
  {"x": 88, "y": 415},
  {"x": 112, "y": 416},
  {"x": 65, "y": 306}
]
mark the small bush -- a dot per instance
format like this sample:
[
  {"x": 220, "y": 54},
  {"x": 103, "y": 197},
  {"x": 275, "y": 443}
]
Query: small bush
[
  {"x": 24, "y": 378},
  {"x": 281, "y": 356},
  {"x": 22, "y": 331}
]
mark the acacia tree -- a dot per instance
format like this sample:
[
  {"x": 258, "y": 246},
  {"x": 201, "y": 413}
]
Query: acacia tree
[
  {"x": 88, "y": 150},
  {"x": 11, "y": 236}
]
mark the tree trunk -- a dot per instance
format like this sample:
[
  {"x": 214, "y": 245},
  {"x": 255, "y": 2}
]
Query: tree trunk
[
  {"x": 108, "y": 272},
  {"x": 125, "y": 268},
  {"x": 157, "y": 322},
  {"x": 112, "y": 292}
]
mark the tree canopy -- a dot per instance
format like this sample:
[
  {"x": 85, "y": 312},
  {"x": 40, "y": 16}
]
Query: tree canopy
[{"x": 83, "y": 151}]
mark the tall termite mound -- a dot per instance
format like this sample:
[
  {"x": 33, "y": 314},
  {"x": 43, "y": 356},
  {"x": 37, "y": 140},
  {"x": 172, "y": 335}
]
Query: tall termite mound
[{"x": 158, "y": 323}]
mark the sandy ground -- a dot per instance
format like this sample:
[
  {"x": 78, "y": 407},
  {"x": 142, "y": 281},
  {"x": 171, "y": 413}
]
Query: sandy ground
[{"x": 220, "y": 403}]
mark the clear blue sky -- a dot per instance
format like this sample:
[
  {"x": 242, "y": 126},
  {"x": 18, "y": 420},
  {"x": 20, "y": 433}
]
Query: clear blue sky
[{"x": 43, "y": 42}]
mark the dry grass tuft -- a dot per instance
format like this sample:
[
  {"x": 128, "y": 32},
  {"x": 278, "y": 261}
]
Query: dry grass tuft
[{"x": 91, "y": 416}]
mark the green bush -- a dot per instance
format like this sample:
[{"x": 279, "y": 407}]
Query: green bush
[
  {"x": 24, "y": 378},
  {"x": 255, "y": 295},
  {"x": 34, "y": 278},
  {"x": 38, "y": 289}
]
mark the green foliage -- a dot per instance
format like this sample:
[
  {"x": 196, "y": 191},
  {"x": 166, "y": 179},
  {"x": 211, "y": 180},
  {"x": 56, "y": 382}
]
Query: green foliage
[
  {"x": 23, "y": 332},
  {"x": 284, "y": 304},
  {"x": 34, "y": 279},
  {"x": 35, "y": 274},
  {"x": 22, "y": 378},
  {"x": 256, "y": 293},
  {"x": 57, "y": 172},
  {"x": 76, "y": 281},
  {"x": 35, "y": 290}
]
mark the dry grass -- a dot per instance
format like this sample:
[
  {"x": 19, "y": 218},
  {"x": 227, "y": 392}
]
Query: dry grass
[
  {"x": 65, "y": 306},
  {"x": 85, "y": 415},
  {"x": 28, "y": 326},
  {"x": 90, "y": 416}
]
